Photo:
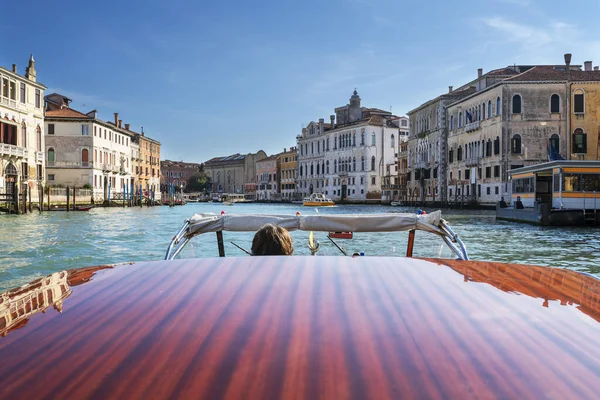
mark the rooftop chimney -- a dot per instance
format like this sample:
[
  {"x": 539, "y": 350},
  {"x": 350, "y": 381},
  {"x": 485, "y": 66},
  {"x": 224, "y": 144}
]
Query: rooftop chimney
[
  {"x": 596, "y": 68},
  {"x": 120, "y": 122},
  {"x": 587, "y": 65},
  {"x": 127, "y": 126},
  {"x": 479, "y": 72},
  {"x": 332, "y": 119},
  {"x": 116, "y": 119},
  {"x": 14, "y": 68},
  {"x": 568, "y": 64},
  {"x": 449, "y": 89}
]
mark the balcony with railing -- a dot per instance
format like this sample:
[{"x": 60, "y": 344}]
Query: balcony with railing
[
  {"x": 472, "y": 161},
  {"x": 69, "y": 164},
  {"x": 13, "y": 151},
  {"x": 472, "y": 126}
]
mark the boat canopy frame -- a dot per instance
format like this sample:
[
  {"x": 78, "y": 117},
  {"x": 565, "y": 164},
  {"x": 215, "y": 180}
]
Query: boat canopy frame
[{"x": 205, "y": 223}]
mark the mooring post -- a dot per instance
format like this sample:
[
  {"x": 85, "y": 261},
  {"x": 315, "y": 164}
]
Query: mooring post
[
  {"x": 25, "y": 200},
  {"x": 16, "y": 199},
  {"x": 30, "y": 208},
  {"x": 48, "y": 189},
  {"x": 220, "y": 243},
  {"x": 68, "y": 197}
]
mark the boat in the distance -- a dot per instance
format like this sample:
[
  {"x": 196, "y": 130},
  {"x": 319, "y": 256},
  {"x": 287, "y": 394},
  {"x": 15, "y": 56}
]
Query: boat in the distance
[
  {"x": 304, "y": 326},
  {"x": 318, "y": 200}
]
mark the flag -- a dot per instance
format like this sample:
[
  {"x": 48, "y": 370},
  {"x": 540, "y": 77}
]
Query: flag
[{"x": 469, "y": 116}]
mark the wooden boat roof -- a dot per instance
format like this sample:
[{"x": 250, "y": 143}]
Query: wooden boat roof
[{"x": 304, "y": 327}]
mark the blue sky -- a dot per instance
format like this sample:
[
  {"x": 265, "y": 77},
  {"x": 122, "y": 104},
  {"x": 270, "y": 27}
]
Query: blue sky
[{"x": 214, "y": 78}]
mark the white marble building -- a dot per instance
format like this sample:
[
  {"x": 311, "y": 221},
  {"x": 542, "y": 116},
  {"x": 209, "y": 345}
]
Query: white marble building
[
  {"x": 349, "y": 158},
  {"x": 21, "y": 131}
]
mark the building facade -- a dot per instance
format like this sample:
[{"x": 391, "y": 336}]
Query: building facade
[
  {"x": 348, "y": 158},
  {"x": 82, "y": 150},
  {"x": 233, "y": 174},
  {"x": 21, "y": 132},
  {"x": 584, "y": 129},
  {"x": 149, "y": 164},
  {"x": 176, "y": 173},
  {"x": 267, "y": 179},
  {"x": 288, "y": 173}
]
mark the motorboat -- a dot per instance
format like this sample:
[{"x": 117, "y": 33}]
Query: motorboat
[
  {"x": 304, "y": 326},
  {"x": 396, "y": 203},
  {"x": 318, "y": 200}
]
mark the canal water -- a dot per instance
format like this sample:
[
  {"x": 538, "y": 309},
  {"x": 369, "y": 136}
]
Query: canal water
[{"x": 35, "y": 245}]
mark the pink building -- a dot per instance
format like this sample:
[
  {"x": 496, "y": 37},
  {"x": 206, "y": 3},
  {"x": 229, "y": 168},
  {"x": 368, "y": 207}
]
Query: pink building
[{"x": 266, "y": 179}]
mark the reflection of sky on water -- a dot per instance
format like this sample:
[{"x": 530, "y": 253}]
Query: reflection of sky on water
[{"x": 33, "y": 245}]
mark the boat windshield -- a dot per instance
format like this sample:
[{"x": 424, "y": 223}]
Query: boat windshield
[{"x": 373, "y": 234}]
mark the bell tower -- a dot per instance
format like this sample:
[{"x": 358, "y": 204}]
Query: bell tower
[{"x": 30, "y": 70}]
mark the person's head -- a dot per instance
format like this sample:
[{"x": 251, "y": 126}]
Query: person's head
[{"x": 272, "y": 240}]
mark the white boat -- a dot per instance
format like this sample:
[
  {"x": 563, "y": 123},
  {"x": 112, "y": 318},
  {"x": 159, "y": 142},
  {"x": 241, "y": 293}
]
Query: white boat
[
  {"x": 318, "y": 200},
  {"x": 395, "y": 203}
]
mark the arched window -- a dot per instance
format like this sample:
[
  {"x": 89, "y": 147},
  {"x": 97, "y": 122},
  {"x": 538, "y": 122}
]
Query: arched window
[
  {"x": 393, "y": 140},
  {"x": 498, "y": 105},
  {"x": 312, "y": 170},
  {"x": 51, "y": 157},
  {"x": 373, "y": 139},
  {"x": 515, "y": 144},
  {"x": 362, "y": 138},
  {"x": 300, "y": 170},
  {"x": 489, "y": 114},
  {"x": 459, "y": 154},
  {"x": 452, "y": 122},
  {"x": 312, "y": 148},
  {"x": 373, "y": 163},
  {"x": 483, "y": 113},
  {"x": 516, "y": 104},
  {"x": 554, "y": 146},
  {"x": 318, "y": 168},
  {"x": 451, "y": 156},
  {"x": 340, "y": 142},
  {"x": 497, "y": 145},
  {"x": 554, "y": 103},
  {"x": 460, "y": 119},
  {"x": 578, "y": 102},
  {"x": 354, "y": 164},
  {"x": 579, "y": 141},
  {"x": 488, "y": 148},
  {"x": 328, "y": 144},
  {"x": 84, "y": 157},
  {"x": 479, "y": 113},
  {"x": 327, "y": 166},
  {"x": 334, "y": 166},
  {"x": 354, "y": 139}
]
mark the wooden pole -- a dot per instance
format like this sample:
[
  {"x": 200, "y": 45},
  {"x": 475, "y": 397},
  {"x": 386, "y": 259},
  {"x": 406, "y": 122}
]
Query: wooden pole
[
  {"x": 30, "y": 199},
  {"x": 68, "y": 197},
  {"x": 24, "y": 195},
  {"x": 16, "y": 199},
  {"x": 40, "y": 198},
  {"x": 220, "y": 243},
  {"x": 411, "y": 243},
  {"x": 48, "y": 188},
  {"x": 74, "y": 198}
]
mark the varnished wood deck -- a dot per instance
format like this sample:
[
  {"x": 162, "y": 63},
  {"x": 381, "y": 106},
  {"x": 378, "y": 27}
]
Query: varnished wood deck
[{"x": 311, "y": 327}]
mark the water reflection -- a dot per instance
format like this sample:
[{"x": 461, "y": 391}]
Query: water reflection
[
  {"x": 18, "y": 305},
  {"x": 570, "y": 288}
]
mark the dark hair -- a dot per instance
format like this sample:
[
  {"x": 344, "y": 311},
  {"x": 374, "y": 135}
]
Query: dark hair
[{"x": 272, "y": 240}]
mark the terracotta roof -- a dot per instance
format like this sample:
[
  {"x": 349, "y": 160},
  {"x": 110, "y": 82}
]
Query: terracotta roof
[
  {"x": 66, "y": 113},
  {"x": 542, "y": 73},
  {"x": 501, "y": 71}
]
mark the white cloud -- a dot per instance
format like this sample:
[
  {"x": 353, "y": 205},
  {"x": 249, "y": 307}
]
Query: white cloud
[{"x": 541, "y": 44}]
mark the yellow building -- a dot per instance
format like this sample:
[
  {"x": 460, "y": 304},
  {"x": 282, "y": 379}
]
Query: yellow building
[
  {"x": 585, "y": 113},
  {"x": 287, "y": 167}
]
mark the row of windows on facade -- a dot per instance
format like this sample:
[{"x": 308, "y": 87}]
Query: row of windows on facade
[
  {"x": 12, "y": 170},
  {"x": 343, "y": 141},
  {"x": 338, "y": 182},
  {"x": 467, "y": 190},
  {"x": 119, "y": 139},
  {"x": 479, "y": 113},
  {"x": 8, "y": 135},
  {"x": 9, "y": 91},
  {"x": 345, "y": 165}
]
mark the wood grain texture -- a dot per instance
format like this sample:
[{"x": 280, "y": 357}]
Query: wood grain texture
[{"x": 311, "y": 327}]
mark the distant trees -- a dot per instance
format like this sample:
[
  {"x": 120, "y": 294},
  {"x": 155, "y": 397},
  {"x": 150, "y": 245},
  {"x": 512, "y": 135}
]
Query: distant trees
[{"x": 198, "y": 182}]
